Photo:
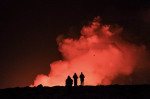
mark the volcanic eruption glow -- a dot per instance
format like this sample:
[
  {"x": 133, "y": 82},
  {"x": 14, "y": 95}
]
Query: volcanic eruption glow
[{"x": 100, "y": 53}]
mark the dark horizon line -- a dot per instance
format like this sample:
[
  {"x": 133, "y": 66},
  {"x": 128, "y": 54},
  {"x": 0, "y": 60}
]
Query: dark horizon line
[{"x": 79, "y": 86}]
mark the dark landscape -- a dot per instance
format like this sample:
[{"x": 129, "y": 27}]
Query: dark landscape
[
  {"x": 55, "y": 45},
  {"x": 79, "y": 92}
]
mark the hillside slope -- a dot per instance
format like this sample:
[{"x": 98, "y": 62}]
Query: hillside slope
[{"x": 81, "y": 92}]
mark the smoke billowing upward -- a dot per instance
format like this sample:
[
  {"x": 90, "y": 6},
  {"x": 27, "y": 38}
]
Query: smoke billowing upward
[{"x": 100, "y": 53}]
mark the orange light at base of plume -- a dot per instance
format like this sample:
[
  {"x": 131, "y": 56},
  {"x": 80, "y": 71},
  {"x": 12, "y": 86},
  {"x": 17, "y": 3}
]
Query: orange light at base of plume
[{"x": 99, "y": 53}]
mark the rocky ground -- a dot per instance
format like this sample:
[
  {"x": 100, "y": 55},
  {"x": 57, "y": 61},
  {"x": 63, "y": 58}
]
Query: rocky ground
[{"x": 80, "y": 92}]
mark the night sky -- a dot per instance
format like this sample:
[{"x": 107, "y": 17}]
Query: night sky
[{"x": 28, "y": 32}]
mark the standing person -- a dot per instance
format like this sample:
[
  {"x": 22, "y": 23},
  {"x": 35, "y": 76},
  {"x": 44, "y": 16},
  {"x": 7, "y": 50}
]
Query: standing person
[
  {"x": 82, "y": 79},
  {"x": 75, "y": 79},
  {"x": 69, "y": 83}
]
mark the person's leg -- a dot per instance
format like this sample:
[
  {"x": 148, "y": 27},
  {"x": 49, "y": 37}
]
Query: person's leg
[
  {"x": 75, "y": 82},
  {"x": 82, "y": 82}
]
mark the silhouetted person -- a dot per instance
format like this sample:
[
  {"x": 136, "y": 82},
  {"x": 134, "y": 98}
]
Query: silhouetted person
[
  {"x": 75, "y": 79},
  {"x": 82, "y": 79},
  {"x": 69, "y": 83},
  {"x": 40, "y": 86}
]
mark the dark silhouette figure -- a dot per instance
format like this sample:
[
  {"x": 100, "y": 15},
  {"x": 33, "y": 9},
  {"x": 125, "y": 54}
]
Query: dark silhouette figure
[
  {"x": 69, "y": 83},
  {"x": 82, "y": 79},
  {"x": 40, "y": 86},
  {"x": 75, "y": 79}
]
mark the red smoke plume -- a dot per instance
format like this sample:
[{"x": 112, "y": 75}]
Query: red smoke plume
[{"x": 100, "y": 53}]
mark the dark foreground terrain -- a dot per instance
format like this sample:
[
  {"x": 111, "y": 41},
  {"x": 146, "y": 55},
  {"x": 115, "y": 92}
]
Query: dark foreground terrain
[{"x": 85, "y": 92}]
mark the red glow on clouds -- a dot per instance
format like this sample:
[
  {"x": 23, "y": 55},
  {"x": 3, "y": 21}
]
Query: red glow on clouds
[{"x": 99, "y": 53}]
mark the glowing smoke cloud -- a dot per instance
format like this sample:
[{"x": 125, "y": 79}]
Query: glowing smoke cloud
[{"x": 99, "y": 53}]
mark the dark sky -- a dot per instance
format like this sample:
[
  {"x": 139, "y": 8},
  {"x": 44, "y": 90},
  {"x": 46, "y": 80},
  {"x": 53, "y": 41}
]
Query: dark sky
[{"x": 28, "y": 31}]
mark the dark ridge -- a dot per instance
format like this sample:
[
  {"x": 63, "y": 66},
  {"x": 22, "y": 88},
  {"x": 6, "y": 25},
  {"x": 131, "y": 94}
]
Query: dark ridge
[{"x": 79, "y": 92}]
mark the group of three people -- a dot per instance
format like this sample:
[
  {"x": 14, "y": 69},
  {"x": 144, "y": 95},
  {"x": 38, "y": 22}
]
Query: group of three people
[{"x": 69, "y": 81}]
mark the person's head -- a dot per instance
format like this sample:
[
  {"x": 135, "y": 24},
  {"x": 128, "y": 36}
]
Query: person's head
[{"x": 69, "y": 77}]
